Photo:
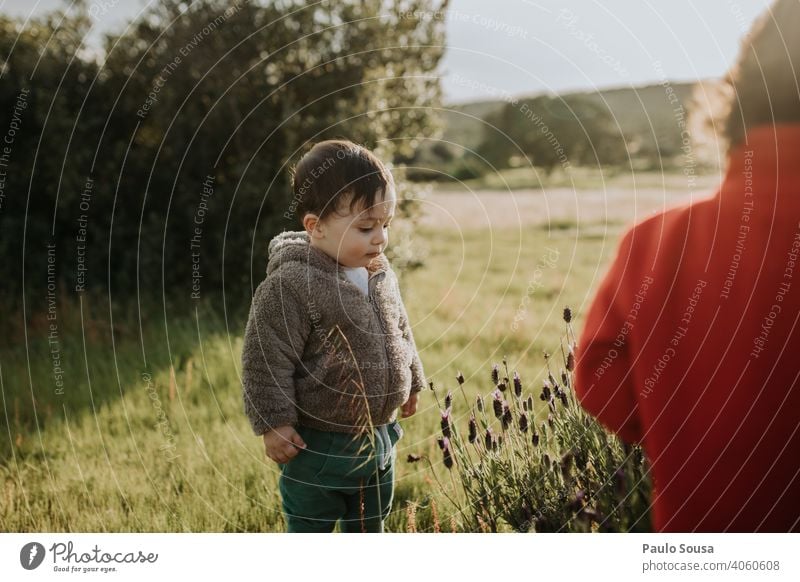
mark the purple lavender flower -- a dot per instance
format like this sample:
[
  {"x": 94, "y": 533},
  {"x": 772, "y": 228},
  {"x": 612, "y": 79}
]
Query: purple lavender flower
[
  {"x": 446, "y": 423},
  {"x": 517, "y": 385},
  {"x": 498, "y": 404},
  {"x": 507, "y": 417},
  {"x": 448, "y": 455},
  {"x": 545, "y": 390},
  {"x": 570, "y": 359},
  {"x": 523, "y": 422},
  {"x": 473, "y": 429}
]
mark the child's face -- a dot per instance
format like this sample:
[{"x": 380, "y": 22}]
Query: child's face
[{"x": 355, "y": 237}]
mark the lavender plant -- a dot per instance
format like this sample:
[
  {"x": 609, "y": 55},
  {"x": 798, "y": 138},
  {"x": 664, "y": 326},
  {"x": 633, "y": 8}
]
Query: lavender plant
[{"x": 544, "y": 468}]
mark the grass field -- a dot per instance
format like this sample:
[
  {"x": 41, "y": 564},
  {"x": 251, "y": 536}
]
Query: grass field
[{"x": 149, "y": 432}]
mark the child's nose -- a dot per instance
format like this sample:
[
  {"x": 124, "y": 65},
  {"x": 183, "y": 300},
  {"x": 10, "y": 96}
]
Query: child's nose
[{"x": 380, "y": 237}]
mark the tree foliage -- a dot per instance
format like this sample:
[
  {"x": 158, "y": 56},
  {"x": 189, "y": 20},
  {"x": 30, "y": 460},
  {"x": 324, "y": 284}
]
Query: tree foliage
[
  {"x": 552, "y": 131},
  {"x": 180, "y": 138}
]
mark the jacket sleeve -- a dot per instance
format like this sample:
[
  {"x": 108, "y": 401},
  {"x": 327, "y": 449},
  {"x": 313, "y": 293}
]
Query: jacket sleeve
[
  {"x": 417, "y": 373},
  {"x": 274, "y": 339},
  {"x": 604, "y": 385}
]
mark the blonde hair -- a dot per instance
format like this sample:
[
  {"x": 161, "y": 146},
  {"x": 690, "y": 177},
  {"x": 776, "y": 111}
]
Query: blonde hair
[{"x": 762, "y": 87}]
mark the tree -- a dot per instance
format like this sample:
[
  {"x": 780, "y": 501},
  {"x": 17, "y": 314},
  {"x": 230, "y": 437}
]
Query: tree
[
  {"x": 552, "y": 131},
  {"x": 188, "y": 128}
]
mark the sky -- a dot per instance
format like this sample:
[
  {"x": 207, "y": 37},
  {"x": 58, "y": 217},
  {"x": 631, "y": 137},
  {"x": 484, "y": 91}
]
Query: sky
[{"x": 516, "y": 47}]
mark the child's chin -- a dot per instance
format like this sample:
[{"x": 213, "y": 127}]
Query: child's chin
[{"x": 356, "y": 263}]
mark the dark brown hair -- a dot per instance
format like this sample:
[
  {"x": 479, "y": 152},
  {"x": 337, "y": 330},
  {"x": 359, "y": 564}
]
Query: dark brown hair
[
  {"x": 336, "y": 172},
  {"x": 762, "y": 86}
]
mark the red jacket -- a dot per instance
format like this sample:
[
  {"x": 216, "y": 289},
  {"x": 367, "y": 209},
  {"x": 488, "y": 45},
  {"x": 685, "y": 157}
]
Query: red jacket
[{"x": 692, "y": 346}]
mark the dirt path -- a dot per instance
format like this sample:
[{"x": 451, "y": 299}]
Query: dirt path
[{"x": 503, "y": 209}]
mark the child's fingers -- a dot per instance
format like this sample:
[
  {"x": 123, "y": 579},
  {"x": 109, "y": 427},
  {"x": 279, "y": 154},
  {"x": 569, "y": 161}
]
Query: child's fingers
[
  {"x": 282, "y": 456},
  {"x": 409, "y": 409},
  {"x": 296, "y": 439},
  {"x": 289, "y": 452}
]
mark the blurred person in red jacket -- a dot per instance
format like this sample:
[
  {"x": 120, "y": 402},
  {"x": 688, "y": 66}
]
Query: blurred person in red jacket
[{"x": 692, "y": 344}]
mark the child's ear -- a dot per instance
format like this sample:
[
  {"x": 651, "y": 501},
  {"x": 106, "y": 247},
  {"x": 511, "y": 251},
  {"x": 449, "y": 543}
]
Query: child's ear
[{"x": 313, "y": 225}]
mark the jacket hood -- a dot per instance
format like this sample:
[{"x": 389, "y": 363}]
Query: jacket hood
[{"x": 295, "y": 247}]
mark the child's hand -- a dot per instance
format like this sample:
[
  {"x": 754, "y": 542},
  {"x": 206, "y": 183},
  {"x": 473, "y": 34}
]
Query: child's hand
[
  {"x": 283, "y": 443},
  {"x": 410, "y": 407}
]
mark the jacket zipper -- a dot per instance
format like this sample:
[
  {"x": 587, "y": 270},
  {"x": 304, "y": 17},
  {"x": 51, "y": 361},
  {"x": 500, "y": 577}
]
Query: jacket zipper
[{"x": 377, "y": 313}]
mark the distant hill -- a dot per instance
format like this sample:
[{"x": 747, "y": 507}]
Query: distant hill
[
  {"x": 648, "y": 119},
  {"x": 635, "y": 109}
]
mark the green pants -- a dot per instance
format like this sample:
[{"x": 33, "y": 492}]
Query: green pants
[{"x": 337, "y": 477}]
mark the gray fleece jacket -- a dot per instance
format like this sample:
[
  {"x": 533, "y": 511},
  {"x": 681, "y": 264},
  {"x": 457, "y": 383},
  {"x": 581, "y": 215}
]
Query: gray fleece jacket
[{"x": 318, "y": 352}]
